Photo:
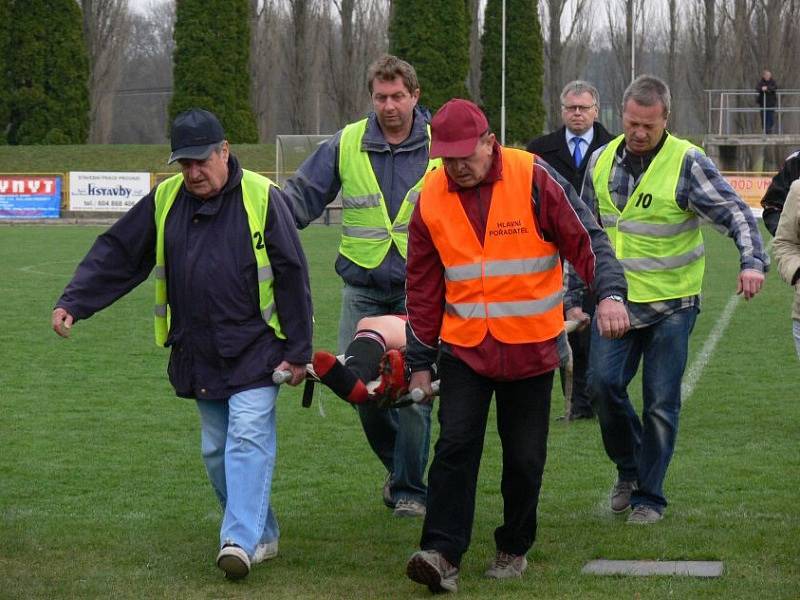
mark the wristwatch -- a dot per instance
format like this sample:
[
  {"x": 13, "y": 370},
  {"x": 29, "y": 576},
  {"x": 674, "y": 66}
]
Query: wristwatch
[{"x": 615, "y": 298}]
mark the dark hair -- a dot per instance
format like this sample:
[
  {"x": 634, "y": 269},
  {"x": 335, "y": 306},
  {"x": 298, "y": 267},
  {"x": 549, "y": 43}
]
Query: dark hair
[{"x": 389, "y": 67}]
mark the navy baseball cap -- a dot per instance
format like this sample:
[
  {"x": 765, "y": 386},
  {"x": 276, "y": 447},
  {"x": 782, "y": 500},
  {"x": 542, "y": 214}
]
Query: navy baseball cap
[{"x": 195, "y": 134}]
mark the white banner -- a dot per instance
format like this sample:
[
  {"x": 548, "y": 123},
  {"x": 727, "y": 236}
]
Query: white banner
[{"x": 113, "y": 192}]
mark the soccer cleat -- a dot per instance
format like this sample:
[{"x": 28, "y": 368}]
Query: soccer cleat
[
  {"x": 393, "y": 382},
  {"x": 341, "y": 380}
]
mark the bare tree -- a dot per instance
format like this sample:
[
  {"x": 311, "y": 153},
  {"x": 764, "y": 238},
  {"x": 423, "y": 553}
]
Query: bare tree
[
  {"x": 357, "y": 35},
  {"x": 301, "y": 44},
  {"x": 140, "y": 105},
  {"x": 565, "y": 51},
  {"x": 474, "y": 76},
  {"x": 106, "y": 29}
]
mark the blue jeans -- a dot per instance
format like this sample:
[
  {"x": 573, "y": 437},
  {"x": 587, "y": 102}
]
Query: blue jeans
[
  {"x": 399, "y": 437},
  {"x": 238, "y": 444},
  {"x": 641, "y": 449}
]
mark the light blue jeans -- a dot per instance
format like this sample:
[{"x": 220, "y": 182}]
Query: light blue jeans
[
  {"x": 399, "y": 437},
  {"x": 238, "y": 444},
  {"x": 796, "y": 332},
  {"x": 641, "y": 448}
]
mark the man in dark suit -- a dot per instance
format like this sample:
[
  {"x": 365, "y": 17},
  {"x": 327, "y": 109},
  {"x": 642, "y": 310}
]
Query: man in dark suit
[{"x": 567, "y": 150}]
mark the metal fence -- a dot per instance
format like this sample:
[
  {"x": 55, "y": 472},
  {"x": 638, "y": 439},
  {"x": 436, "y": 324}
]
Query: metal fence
[{"x": 737, "y": 112}]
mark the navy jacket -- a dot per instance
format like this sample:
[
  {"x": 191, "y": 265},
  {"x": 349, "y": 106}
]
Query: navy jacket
[
  {"x": 775, "y": 196},
  {"x": 397, "y": 168},
  {"x": 553, "y": 149},
  {"x": 219, "y": 343}
]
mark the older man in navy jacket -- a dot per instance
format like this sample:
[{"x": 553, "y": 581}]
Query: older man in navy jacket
[{"x": 233, "y": 280}]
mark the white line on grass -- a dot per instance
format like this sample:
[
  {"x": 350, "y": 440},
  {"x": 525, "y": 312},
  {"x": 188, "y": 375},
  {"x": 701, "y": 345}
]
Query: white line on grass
[{"x": 710, "y": 345}]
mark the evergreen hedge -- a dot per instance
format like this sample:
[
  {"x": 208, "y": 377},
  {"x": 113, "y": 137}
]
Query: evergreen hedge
[
  {"x": 433, "y": 35},
  {"x": 47, "y": 71},
  {"x": 212, "y": 54},
  {"x": 525, "y": 113}
]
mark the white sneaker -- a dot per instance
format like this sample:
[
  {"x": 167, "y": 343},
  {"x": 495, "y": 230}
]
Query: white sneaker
[
  {"x": 409, "y": 508},
  {"x": 234, "y": 561},
  {"x": 265, "y": 552}
]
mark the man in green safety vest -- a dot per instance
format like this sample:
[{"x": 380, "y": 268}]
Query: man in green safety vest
[
  {"x": 651, "y": 191},
  {"x": 232, "y": 303},
  {"x": 377, "y": 164}
]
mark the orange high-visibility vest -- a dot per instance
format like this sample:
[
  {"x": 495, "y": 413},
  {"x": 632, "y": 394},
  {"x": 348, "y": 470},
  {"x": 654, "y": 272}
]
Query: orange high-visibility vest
[{"x": 511, "y": 286}]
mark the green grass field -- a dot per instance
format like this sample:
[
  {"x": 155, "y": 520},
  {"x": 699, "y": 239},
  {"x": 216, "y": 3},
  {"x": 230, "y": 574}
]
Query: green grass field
[
  {"x": 103, "y": 493},
  {"x": 115, "y": 157}
]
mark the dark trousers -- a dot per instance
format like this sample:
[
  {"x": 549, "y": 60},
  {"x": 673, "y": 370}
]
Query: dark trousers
[
  {"x": 581, "y": 398},
  {"x": 523, "y": 412}
]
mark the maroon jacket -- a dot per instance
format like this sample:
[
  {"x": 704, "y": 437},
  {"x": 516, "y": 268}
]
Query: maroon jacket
[{"x": 562, "y": 219}]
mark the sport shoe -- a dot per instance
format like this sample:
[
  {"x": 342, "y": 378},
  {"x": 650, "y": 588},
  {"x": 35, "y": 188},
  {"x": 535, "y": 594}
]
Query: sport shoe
[
  {"x": 234, "y": 561},
  {"x": 387, "y": 491},
  {"x": 265, "y": 552},
  {"x": 621, "y": 495},
  {"x": 393, "y": 382},
  {"x": 406, "y": 507},
  {"x": 644, "y": 515},
  {"x": 430, "y": 568},
  {"x": 506, "y": 566}
]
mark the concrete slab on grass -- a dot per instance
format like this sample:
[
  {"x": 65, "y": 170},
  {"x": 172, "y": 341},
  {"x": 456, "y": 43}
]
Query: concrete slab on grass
[{"x": 691, "y": 568}]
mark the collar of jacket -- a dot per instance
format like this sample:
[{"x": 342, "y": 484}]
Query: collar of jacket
[
  {"x": 373, "y": 140},
  {"x": 211, "y": 206}
]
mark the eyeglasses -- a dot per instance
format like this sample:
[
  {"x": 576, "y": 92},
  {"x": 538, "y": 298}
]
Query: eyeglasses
[{"x": 577, "y": 108}]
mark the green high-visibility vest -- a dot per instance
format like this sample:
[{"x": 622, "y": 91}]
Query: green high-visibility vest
[
  {"x": 255, "y": 196},
  {"x": 367, "y": 231},
  {"x": 659, "y": 245}
]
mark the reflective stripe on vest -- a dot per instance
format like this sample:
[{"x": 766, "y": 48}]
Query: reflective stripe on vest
[
  {"x": 509, "y": 286},
  {"x": 659, "y": 245},
  {"x": 367, "y": 231},
  {"x": 255, "y": 198}
]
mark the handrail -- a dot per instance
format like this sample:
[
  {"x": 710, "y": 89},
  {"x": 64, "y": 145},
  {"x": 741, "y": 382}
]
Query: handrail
[{"x": 726, "y": 105}]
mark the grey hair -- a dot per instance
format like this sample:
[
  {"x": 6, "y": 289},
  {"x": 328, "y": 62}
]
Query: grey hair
[
  {"x": 648, "y": 90},
  {"x": 578, "y": 87}
]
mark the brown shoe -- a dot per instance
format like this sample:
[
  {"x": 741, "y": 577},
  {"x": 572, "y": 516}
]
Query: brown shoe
[
  {"x": 621, "y": 495},
  {"x": 430, "y": 568},
  {"x": 506, "y": 566}
]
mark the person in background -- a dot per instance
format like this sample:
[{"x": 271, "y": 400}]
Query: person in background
[
  {"x": 787, "y": 252},
  {"x": 566, "y": 150},
  {"x": 775, "y": 196},
  {"x": 232, "y": 303},
  {"x": 767, "y": 99}
]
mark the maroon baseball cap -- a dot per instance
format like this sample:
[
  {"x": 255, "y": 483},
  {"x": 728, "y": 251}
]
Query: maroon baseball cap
[{"x": 456, "y": 129}]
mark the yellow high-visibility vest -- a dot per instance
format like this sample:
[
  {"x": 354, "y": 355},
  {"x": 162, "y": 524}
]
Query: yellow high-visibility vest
[
  {"x": 658, "y": 243},
  {"x": 367, "y": 231},
  {"x": 255, "y": 197}
]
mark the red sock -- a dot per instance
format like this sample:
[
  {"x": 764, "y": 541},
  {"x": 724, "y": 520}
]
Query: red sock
[{"x": 341, "y": 380}]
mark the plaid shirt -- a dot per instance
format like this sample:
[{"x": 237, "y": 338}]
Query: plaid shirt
[{"x": 700, "y": 189}]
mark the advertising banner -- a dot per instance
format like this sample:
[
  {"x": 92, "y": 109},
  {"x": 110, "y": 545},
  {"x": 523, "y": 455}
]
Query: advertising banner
[
  {"x": 750, "y": 187},
  {"x": 30, "y": 197},
  {"x": 106, "y": 191}
]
